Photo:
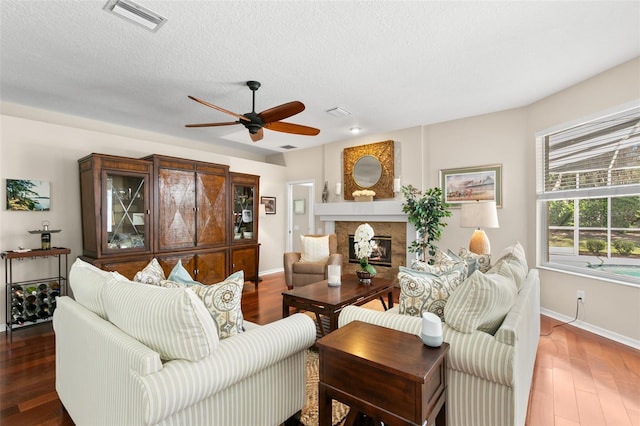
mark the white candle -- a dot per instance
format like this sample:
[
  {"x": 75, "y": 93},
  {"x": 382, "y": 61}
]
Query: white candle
[{"x": 338, "y": 188}]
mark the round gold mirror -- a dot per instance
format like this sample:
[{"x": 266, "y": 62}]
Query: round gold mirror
[{"x": 367, "y": 171}]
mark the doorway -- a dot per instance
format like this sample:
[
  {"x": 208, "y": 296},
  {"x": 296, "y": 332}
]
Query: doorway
[{"x": 300, "y": 215}]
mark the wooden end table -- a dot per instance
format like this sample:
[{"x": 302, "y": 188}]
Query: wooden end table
[
  {"x": 327, "y": 301},
  {"x": 388, "y": 375}
]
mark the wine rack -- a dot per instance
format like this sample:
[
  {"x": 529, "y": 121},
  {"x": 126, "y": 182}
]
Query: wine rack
[{"x": 33, "y": 301}]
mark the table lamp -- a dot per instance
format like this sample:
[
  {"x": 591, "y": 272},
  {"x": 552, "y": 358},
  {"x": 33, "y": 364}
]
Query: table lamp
[{"x": 479, "y": 214}]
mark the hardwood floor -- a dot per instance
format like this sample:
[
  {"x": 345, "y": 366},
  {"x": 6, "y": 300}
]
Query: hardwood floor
[{"x": 579, "y": 379}]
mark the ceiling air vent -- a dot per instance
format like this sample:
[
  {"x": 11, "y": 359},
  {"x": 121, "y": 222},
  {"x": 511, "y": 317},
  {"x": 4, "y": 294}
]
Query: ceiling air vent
[
  {"x": 135, "y": 13},
  {"x": 287, "y": 147}
]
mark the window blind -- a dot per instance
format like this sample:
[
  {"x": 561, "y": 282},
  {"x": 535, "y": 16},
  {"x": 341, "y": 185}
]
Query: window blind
[{"x": 596, "y": 158}]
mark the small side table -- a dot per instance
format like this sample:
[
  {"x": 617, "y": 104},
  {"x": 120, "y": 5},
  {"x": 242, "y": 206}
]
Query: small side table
[
  {"x": 33, "y": 301},
  {"x": 388, "y": 375}
]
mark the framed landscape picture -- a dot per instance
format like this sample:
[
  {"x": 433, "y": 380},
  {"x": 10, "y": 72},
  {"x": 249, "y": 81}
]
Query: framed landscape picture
[
  {"x": 28, "y": 195},
  {"x": 469, "y": 184}
]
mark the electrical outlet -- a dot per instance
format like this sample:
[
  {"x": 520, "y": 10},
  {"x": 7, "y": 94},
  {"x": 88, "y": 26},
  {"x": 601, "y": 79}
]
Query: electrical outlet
[{"x": 580, "y": 296}]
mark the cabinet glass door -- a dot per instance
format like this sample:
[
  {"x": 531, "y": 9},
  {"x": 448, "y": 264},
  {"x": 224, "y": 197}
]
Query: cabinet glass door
[
  {"x": 244, "y": 227},
  {"x": 126, "y": 226}
]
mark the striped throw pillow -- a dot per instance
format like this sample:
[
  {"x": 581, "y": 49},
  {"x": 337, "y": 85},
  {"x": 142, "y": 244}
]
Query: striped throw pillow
[
  {"x": 171, "y": 321},
  {"x": 480, "y": 303}
]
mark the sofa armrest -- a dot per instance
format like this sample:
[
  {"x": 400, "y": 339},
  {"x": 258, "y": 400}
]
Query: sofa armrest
[
  {"x": 405, "y": 323},
  {"x": 288, "y": 260},
  {"x": 182, "y": 383},
  {"x": 97, "y": 362},
  {"x": 478, "y": 353}
]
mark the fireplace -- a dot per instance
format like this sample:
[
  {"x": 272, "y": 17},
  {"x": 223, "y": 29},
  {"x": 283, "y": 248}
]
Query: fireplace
[
  {"x": 386, "y": 218},
  {"x": 380, "y": 256}
]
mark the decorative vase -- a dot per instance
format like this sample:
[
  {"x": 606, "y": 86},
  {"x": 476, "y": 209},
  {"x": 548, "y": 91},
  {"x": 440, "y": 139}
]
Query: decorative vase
[
  {"x": 364, "y": 277},
  {"x": 363, "y": 198}
]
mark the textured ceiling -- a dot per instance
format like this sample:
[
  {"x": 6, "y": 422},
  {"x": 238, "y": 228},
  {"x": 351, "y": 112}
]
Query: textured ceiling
[{"x": 392, "y": 64}]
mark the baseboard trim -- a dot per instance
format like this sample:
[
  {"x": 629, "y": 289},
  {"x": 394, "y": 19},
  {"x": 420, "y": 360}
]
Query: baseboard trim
[{"x": 593, "y": 329}]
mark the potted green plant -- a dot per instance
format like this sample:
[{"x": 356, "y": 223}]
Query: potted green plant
[{"x": 426, "y": 212}]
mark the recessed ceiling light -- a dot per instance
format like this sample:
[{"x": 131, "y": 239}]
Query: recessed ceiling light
[
  {"x": 355, "y": 130},
  {"x": 338, "y": 112},
  {"x": 135, "y": 13}
]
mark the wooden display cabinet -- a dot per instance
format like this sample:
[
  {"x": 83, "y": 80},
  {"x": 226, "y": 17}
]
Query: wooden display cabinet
[
  {"x": 245, "y": 250},
  {"x": 169, "y": 208},
  {"x": 190, "y": 203},
  {"x": 115, "y": 194}
]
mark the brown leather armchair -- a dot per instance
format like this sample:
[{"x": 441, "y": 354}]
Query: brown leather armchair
[{"x": 297, "y": 273}]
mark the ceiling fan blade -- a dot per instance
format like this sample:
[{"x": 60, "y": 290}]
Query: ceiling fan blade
[
  {"x": 227, "y": 123},
  {"x": 281, "y": 111},
  {"x": 298, "y": 129},
  {"x": 257, "y": 136},
  {"x": 241, "y": 117}
]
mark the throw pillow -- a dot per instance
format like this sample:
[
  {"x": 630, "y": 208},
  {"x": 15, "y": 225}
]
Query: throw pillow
[
  {"x": 480, "y": 303},
  {"x": 180, "y": 275},
  {"x": 151, "y": 274},
  {"x": 171, "y": 321},
  {"x": 483, "y": 261},
  {"x": 425, "y": 292},
  {"x": 314, "y": 249},
  {"x": 471, "y": 262},
  {"x": 513, "y": 258},
  {"x": 86, "y": 283},
  {"x": 222, "y": 301}
]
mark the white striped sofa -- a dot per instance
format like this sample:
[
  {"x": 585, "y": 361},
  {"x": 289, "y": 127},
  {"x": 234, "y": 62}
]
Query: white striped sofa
[
  {"x": 104, "y": 376},
  {"x": 488, "y": 376}
]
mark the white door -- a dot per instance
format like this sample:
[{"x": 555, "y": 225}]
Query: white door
[{"x": 300, "y": 217}]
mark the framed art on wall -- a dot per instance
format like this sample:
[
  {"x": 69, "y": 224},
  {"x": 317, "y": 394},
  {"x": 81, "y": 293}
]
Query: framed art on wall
[
  {"x": 28, "y": 195},
  {"x": 269, "y": 204},
  {"x": 468, "y": 184},
  {"x": 298, "y": 206}
]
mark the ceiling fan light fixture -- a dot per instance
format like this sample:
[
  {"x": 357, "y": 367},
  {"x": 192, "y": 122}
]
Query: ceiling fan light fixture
[
  {"x": 135, "y": 13},
  {"x": 338, "y": 112}
]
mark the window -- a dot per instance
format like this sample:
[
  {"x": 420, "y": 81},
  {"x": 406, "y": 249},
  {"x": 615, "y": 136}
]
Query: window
[{"x": 588, "y": 194}]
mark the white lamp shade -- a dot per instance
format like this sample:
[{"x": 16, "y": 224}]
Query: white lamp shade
[{"x": 480, "y": 214}]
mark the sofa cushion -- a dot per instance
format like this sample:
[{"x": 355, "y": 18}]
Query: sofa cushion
[
  {"x": 180, "y": 275},
  {"x": 425, "y": 292},
  {"x": 482, "y": 261},
  {"x": 480, "y": 303},
  {"x": 171, "y": 321},
  {"x": 151, "y": 274},
  {"x": 512, "y": 261},
  {"x": 86, "y": 282},
  {"x": 314, "y": 248},
  {"x": 222, "y": 301},
  {"x": 442, "y": 262}
]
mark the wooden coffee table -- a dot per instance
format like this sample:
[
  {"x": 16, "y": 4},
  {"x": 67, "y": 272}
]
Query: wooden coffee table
[
  {"x": 388, "y": 375},
  {"x": 328, "y": 302}
]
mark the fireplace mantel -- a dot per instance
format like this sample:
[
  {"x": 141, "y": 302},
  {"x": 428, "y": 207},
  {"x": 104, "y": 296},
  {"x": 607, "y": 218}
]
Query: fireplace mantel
[{"x": 373, "y": 211}]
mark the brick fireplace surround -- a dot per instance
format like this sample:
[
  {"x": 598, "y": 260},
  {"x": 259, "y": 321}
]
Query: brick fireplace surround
[{"x": 385, "y": 217}]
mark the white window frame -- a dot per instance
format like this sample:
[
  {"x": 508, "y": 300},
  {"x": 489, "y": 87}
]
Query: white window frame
[{"x": 573, "y": 262}]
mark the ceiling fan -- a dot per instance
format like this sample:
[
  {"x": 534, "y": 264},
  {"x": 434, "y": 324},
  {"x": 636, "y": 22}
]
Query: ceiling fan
[{"x": 268, "y": 119}]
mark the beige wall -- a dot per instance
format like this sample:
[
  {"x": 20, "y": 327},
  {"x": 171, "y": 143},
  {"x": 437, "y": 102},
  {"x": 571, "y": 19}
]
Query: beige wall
[{"x": 507, "y": 138}]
